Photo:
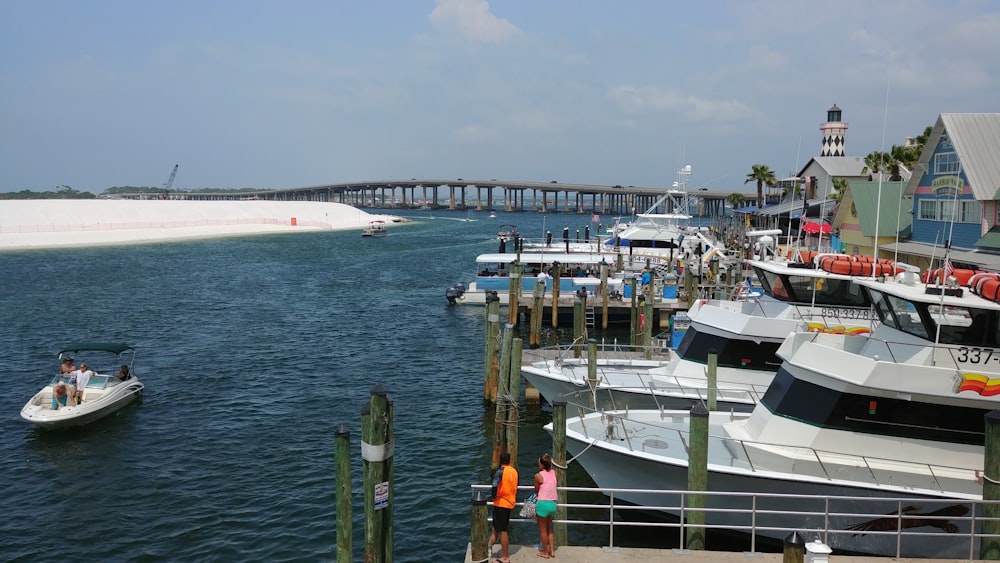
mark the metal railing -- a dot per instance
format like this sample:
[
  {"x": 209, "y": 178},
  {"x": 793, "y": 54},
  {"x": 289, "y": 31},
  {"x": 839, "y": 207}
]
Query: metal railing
[{"x": 939, "y": 528}]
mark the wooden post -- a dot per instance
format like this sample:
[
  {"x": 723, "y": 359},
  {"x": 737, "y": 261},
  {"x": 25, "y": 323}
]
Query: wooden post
[
  {"x": 604, "y": 294},
  {"x": 989, "y": 547},
  {"x": 713, "y": 382},
  {"x": 390, "y": 510},
  {"x": 697, "y": 477},
  {"x": 537, "y": 311},
  {"x": 376, "y": 456},
  {"x": 713, "y": 267},
  {"x": 578, "y": 322},
  {"x": 647, "y": 330},
  {"x": 619, "y": 262},
  {"x": 795, "y": 549},
  {"x": 556, "y": 282},
  {"x": 513, "y": 292},
  {"x": 630, "y": 282},
  {"x": 690, "y": 286},
  {"x": 513, "y": 405},
  {"x": 500, "y": 414},
  {"x": 342, "y": 457},
  {"x": 559, "y": 463},
  {"x": 480, "y": 525},
  {"x": 492, "y": 357}
]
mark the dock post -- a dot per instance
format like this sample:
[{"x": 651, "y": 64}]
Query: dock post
[
  {"x": 647, "y": 330},
  {"x": 556, "y": 282},
  {"x": 492, "y": 336},
  {"x": 503, "y": 392},
  {"x": 480, "y": 525},
  {"x": 694, "y": 532},
  {"x": 578, "y": 330},
  {"x": 513, "y": 292},
  {"x": 795, "y": 549},
  {"x": 713, "y": 381},
  {"x": 513, "y": 403},
  {"x": 690, "y": 285},
  {"x": 559, "y": 462},
  {"x": 989, "y": 545},
  {"x": 630, "y": 282},
  {"x": 604, "y": 294},
  {"x": 619, "y": 262},
  {"x": 537, "y": 311},
  {"x": 342, "y": 455},
  {"x": 376, "y": 461}
]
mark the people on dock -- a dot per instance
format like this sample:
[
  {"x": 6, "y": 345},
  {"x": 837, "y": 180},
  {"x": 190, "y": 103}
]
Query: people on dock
[
  {"x": 545, "y": 506},
  {"x": 504, "y": 498},
  {"x": 83, "y": 376}
]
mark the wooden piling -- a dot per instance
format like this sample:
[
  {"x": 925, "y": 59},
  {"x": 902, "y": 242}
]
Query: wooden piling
[
  {"x": 604, "y": 294},
  {"x": 513, "y": 404},
  {"x": 559, "y": 463},
  {"x": 492, "y": 364},
  {"x": 794, "y": 549},
  {"x": 503, "y": 392},
  {"x": 647, "y": 329},
  {"x": 537, "y": 310},
  {"x": 513, "y": 292},
  {"x": 634, "y": 321},
  {"x": 989, "y": 545},
  {"x": 342, "y": 458},
  {"x": 697, "y": 477},
  {"x": 480, "y": 525},
  {"x": 376, "y": 455},
  {"x": 556, "y": 282},
  {"x": 713, "y": 381}
]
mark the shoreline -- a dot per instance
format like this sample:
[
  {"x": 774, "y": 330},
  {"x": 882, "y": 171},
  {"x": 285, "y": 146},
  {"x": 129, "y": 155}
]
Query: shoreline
[{"x": 68, "y": 223}]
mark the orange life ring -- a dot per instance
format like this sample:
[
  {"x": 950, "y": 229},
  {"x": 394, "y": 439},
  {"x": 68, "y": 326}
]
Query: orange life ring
[
  {"x": 850, "y": 267},
  {"x": 981, "y": 277},
  {"x": 990, "y": 289}
]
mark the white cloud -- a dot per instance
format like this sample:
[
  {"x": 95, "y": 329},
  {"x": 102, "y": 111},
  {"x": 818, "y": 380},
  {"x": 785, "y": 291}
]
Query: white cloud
[
  {"x": 653, "y": 100},
  {"x": 472, "y": 20}
]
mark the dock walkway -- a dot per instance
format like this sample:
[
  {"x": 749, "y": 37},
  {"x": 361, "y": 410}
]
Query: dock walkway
[{"x": 581, "y": 554}]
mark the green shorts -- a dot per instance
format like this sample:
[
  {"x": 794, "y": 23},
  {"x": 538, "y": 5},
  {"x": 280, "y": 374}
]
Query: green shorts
[{"x": 545, "y": 508}]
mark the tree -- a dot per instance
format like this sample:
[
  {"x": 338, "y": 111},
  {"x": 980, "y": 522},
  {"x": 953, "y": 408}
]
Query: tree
[
  {"x": 736, "y": 199},
  {"x": 839, "y": 188},
  {"x": 762, "y": 174},
  {"x": 879, "y": 161}
]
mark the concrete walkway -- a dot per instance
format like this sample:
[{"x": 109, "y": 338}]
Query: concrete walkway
[{"x": 577, "y": 554}]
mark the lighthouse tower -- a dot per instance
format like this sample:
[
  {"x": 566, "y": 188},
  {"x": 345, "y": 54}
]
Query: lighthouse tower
[{"x": 833, "y": 133}]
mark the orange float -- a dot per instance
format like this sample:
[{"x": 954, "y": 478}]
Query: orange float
[{"x": 858, "y": 265}]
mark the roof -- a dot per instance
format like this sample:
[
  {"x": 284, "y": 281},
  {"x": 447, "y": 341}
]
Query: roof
[
  {"x": 794, "y": 206},
  {"x": 838, "y": 166},
  {"x": 984, "y": 259},
  {"x": 975, "y": 137},
  {"x": 891, "y": 219},
  {"x": 991, "y": 239},
  {"x": 115, "y": 347}
]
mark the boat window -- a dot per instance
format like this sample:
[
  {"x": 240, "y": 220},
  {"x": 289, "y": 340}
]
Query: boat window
[
  {"x": 732, "y": 352},
  {"x": 962, "y": 325},
  {"x": 899, "y": 314},
  {"x": 829, "y": 291},
  {"x": 767, "y": 280}
]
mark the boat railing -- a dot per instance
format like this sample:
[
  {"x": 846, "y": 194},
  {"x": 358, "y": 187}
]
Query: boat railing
[
  {"x": 609, "y": 352},
  {"x": 832, "y": 317},
  {"x": 837, "y": 520},
  {"x": 977, "y": 358},
  {"x": 755, "y": 456}
]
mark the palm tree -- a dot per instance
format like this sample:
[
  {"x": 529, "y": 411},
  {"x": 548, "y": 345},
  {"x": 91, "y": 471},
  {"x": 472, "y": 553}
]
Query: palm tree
[
  {"x": 879, "y": 161},
  {"x": 839, "y": 188},
  {"x": 736, "y": 199},
  {"x": 762, "y": 174}
]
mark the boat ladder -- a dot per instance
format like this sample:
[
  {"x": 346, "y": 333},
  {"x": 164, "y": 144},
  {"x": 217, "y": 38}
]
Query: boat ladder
[{"x": 589, "y": 317}]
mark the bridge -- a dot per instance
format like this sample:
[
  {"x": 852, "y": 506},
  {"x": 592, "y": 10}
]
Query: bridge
[{"x": 480, "y": 195}]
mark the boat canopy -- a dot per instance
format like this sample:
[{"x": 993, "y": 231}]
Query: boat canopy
[{"x": 77, "y": 347}]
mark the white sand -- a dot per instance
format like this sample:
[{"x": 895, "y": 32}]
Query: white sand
[{"x": 43, "y": 223}]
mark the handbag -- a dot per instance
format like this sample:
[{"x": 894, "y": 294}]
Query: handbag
[{"x": 528, "y": 510}]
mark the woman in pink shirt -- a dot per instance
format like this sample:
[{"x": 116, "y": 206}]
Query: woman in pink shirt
[{"x": 545, "y": 507}]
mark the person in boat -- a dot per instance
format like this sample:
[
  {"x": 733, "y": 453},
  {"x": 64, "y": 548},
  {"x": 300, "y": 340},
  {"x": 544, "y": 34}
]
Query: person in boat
[
  {"x": 67, "y": 366},
  {"x": 60, "y": 393},
  {"x": 83, "y": 376},
  {"x": 123, "y": 373}
]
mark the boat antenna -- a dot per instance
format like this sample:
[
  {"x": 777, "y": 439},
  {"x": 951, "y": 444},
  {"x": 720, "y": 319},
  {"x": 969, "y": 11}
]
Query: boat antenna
[
  {"x": 788, "y": 236},
  {"x": 878, "y": 203}
]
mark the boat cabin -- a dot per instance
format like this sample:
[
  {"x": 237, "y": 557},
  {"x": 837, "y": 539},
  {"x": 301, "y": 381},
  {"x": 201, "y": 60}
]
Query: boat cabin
[{"x": 576, "y": 271}]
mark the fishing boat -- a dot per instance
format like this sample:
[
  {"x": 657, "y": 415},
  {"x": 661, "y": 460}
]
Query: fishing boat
[
  {"x": 895, "y": 413},
  {"x": 112, "y": 386},
  {"x": 375, "y": 229}
]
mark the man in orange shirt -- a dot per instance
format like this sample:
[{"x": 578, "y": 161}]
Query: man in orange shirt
[{"x": 505, "y": 485}]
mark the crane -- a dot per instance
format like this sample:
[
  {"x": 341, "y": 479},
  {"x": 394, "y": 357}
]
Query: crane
[{"x": 170, "y": 182}]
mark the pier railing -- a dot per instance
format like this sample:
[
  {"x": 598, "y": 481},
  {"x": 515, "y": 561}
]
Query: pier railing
[{"x": 954, "y": 525}]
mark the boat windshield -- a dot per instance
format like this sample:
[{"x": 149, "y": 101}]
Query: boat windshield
[
  {"x": 966, "y": 326},
  {"x": 799, "y": 289}
]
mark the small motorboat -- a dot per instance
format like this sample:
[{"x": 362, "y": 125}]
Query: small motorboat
[
  {"x": 111, "y": 386},
  {"x": 375, "y": 229}
]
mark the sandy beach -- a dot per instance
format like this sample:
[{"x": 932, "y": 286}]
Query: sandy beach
[{"x": 44, "y": 223}]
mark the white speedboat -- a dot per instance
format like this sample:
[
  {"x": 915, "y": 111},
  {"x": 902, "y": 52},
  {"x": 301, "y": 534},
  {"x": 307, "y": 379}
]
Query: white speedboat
[
  {"x": 897, "y": 413},
  {"x": 375, "y": 229},
  {"x": 112, "y": 386}
]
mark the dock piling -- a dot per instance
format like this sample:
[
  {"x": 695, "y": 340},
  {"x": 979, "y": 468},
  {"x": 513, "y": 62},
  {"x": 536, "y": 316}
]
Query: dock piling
[
  {"x": 559, "y": 462},
  {"x": 535, "y": 336},
  {"x": 989, "y": 545},
  {"x": 697, "y": 477},
  {"x": 342, "y": 456},
  {"x": 513, "y": 292},
  {"x": 480, "y": 525},
  {"x": 491, "y": 365},
  {"x": 556, "y": 282}
]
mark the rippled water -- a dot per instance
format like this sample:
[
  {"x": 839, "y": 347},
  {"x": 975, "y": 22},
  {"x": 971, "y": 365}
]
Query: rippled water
[{"x": 253, "y": 350}]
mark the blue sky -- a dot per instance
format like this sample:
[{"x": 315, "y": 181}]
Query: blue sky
[{"x": 274, "y": 94}]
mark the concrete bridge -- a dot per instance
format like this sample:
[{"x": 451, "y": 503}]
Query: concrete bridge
[{"x": 481, "y": 195}]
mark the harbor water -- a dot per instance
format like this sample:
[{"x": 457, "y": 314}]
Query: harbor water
[{"x": 253, "y": 351}]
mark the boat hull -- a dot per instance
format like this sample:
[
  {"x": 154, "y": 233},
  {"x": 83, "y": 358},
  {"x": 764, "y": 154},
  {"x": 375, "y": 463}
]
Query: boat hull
[{"x": 37, "y": 412}]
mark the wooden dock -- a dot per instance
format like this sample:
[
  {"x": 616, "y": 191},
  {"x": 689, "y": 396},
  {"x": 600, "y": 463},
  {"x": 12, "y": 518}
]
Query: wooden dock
[{"x": 579, "y": 554}]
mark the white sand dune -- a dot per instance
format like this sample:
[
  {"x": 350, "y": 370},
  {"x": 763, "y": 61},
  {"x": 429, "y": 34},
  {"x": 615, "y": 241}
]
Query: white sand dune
[{"x": 44, "y": 223}]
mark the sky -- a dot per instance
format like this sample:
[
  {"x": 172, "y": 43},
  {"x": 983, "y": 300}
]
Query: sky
[{"x": 269, "y": 94}]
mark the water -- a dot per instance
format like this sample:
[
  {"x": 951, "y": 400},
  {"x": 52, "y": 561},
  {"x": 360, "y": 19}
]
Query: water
[{"x": 253, "y": 351}]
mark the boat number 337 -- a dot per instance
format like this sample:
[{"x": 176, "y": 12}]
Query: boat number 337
[{"x": 971, "y": 355}]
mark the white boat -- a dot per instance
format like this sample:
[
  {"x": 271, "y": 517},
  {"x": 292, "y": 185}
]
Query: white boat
[
  {"x": 113, "y": 386},
  {"x": 375, "y": 229},
  {"x": 745, "y": 336},
  {"x": 898, "y": 413},
  {"x": 493, "y": 215}
]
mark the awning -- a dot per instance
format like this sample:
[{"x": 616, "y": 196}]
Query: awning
[{"x": 974, "y": 257}]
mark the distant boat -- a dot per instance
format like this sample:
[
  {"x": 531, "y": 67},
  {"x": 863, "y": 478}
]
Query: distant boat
[
  {"x": 375, "y": 229},
  {"x": 493, "y": 215}
]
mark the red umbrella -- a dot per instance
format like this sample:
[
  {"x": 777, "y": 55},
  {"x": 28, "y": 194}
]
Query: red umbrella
[{"x": 813, "y": 228}]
